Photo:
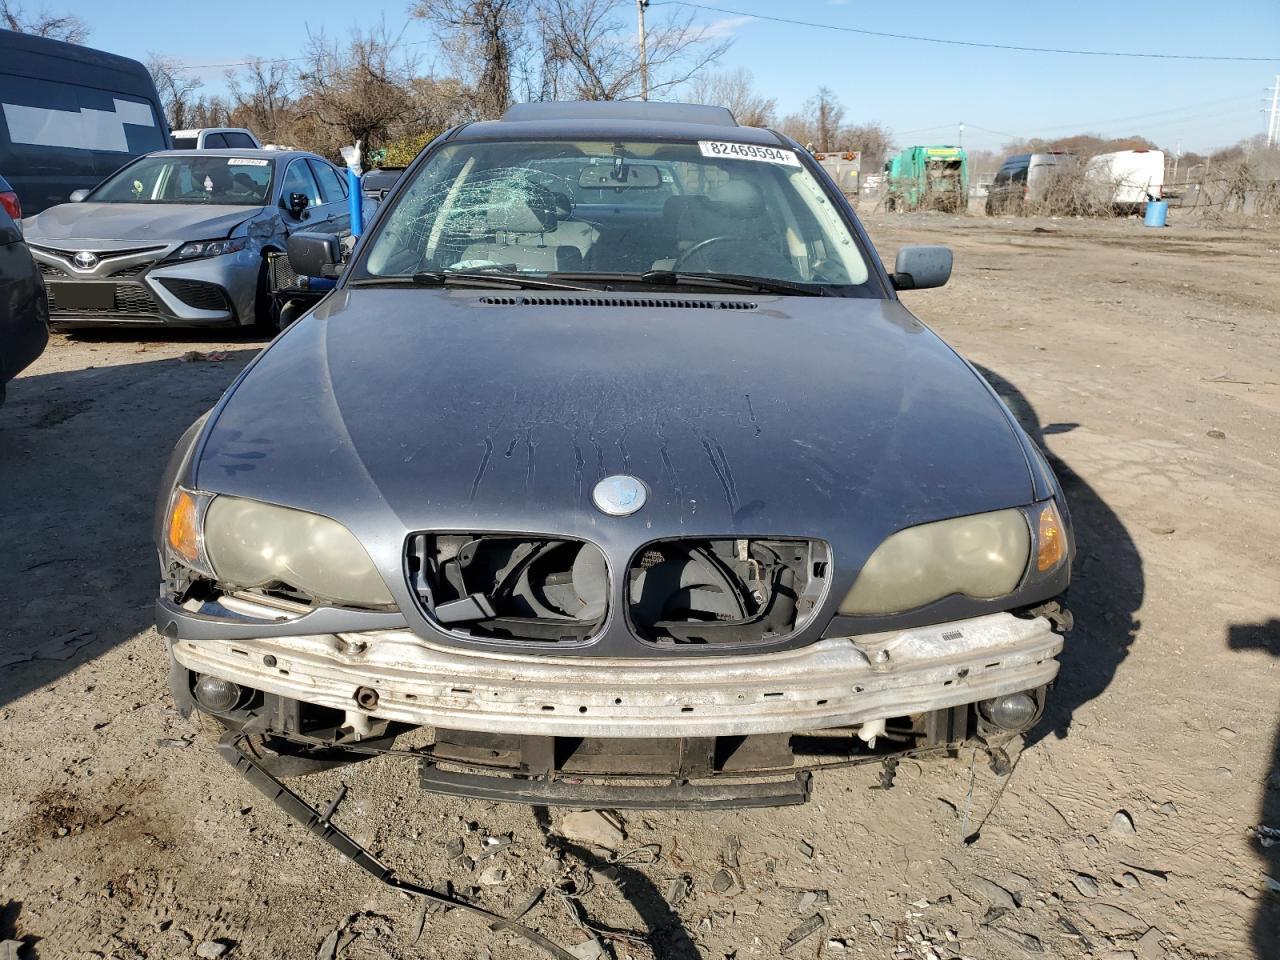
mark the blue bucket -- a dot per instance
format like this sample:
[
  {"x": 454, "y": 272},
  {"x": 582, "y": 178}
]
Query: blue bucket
[{"x": 1157, "y": 213}]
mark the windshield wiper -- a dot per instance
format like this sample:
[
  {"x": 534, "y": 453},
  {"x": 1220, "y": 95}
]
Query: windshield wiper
[
  {"x": 456, "y": 278},
  {"x": 742, "y": 281},
  {"x": 672, "y": 278}
]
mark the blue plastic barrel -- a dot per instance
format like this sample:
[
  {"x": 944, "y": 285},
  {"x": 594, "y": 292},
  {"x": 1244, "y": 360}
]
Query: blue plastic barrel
[
  {"x": 355, "y": 202},
  {"x": 1157, "y": 213}
]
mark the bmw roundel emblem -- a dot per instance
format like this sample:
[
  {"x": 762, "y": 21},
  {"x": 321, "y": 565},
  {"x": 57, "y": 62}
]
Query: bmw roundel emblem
[
  {"x": 619, "y": 495},
  {"x": 85, "y": 260}
]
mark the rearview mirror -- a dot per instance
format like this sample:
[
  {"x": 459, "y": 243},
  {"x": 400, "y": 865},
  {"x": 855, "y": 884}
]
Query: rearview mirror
[
  {"x": 77, "y": 196},
  {"x": 298, "y": 202},
  {"x": 920, "y": 267},
  {"x": 314, "y": 254},
  {"x": 631, "y": 176}
]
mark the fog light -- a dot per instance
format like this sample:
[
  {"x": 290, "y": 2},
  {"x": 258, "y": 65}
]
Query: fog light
[
  {"x": 1014, "y": 711},
  {"x": 217, "y": 695}
]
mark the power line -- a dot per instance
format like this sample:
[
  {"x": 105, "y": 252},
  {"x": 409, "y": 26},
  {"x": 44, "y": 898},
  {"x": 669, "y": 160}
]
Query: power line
[{"x": 967, "y": 43}]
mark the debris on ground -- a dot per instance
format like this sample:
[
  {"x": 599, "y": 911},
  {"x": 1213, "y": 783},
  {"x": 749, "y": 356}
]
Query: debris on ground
[
  {"x": 1027, "y": 941},
  {"x": 732, "y": 851},
  {"x": 492, "y": 846},
  {"x": 803, "y": 932},
  {"x": 196, "y": 356},
  {"x": 806, "y": 900},
  {"x": 1085, "y": 884},
  {"x": 678, "y": 889},
  {"x": 588, "y": 950},
  {"x": 592, "y": 827},
  {"x": 993, "y": 893},
  {"x": 1122, "y": 823},
  {"x": 213, "y": 949},
  {"x": 724, "y": 881}
]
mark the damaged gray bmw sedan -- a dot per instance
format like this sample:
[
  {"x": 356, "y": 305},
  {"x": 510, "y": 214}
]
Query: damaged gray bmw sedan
[{"x": 613, "y": 472}]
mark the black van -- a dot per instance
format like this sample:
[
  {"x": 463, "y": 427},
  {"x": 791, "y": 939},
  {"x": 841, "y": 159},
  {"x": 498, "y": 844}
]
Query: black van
[{"x": 69, "y": 116}]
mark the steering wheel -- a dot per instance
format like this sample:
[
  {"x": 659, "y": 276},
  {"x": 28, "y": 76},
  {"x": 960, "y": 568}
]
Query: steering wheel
[
  {"x": 700, "y": 248},
  {"x": 754, "y": 257}
]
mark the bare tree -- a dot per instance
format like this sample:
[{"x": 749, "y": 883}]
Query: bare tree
[
  {"x": 177, "y": 89},
  {"x": 362, "y": 91},
  {"x": 67, "y": 27},
  {"x": 733, "y": 89},
  {"x": 589, "y": 42},
  {"x": 819, "y": 123},
  {"x": 872, "y": 140},
  {"x": 487, "y": 32},
  {"x": 262, "y": 98}
]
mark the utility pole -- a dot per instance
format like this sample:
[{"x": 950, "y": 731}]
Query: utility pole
[
  {"x": 960, "y": 142},
  {"x": 1273, "y": 121},
  {"x": 644, "y": 55}
]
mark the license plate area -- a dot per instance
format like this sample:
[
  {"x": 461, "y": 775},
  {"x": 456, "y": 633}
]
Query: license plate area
[{"x": 84, "y": 296}]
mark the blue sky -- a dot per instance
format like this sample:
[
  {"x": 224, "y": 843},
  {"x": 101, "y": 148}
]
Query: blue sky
[{"x": 922, "y": 91}]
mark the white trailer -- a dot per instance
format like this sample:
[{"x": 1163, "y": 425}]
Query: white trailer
[{"x": 1133, "y": 176}]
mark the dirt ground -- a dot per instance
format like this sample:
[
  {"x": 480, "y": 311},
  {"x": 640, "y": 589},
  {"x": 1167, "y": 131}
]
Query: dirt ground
[{"x": 1148, "y": 364}]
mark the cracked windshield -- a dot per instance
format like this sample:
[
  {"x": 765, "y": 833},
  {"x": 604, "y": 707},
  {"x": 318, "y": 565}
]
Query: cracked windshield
[{"x": 613, "y": 211}]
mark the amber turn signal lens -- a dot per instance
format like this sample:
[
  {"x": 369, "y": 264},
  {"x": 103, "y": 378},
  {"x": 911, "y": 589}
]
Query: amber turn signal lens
[
  {"x": 184, "y": 533},
  {"x": 1052, "y": 539}
]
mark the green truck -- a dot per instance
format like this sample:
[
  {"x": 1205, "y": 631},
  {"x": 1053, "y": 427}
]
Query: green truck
[{"x": 928, "y": 178}]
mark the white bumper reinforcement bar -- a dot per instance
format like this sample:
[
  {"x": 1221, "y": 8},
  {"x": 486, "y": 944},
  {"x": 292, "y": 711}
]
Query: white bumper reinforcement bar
[{"x": 832, "y": 683}]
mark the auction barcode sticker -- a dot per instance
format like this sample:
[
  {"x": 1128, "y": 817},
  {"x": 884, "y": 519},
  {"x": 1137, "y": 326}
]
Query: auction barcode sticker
[
  {"x": 747, "y": 151},
  {"x": 246, "y": 162}
]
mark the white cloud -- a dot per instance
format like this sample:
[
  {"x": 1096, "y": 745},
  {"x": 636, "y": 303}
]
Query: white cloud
[{"x": 726, "y": 26}]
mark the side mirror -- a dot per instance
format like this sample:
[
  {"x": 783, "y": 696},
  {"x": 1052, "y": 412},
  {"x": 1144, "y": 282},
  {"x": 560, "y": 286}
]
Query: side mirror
[
  {"x": 298, "y": 202},
  {"x": 918, "y": 268},
  {"x": 77, "y": 196},
  {"x": 314, "y": 254}
]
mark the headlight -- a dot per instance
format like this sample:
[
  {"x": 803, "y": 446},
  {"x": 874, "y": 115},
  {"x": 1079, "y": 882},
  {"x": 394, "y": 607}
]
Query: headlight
[
  {"x": 184, "y": 530},
  {"x": 245, "y": 544},
  {"x": 982, "y": 556},
  {"x": 210, "y": 248}
]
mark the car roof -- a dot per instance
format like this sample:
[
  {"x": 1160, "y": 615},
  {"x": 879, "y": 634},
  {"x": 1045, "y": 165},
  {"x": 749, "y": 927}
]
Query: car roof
[
  {"x": 622, "y": 119},
  {"x": 245, "y": 152},
  {"x": 192, "y": 131}
]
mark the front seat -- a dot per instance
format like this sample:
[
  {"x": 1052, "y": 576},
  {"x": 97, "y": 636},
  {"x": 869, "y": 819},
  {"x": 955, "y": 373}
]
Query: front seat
[{"x": 729, "y": 231}]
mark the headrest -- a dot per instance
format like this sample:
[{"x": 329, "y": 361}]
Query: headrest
[
  {"x": 736, "y": 198},
  {"x": 528, "y": 209}
]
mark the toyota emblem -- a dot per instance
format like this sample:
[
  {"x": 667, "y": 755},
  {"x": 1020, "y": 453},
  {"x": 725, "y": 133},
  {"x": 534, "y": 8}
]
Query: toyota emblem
[{"x": 85, "y": 260}]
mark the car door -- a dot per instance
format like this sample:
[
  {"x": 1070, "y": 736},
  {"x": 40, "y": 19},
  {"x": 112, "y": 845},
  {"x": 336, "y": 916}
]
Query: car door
[
  {"x": 333, "y": 191},
  {"x": 298, "y": 178}
]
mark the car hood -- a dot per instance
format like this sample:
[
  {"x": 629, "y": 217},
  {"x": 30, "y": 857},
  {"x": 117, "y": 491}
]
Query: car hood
[
  {"x": 90, "y": 223},
  {"x": 394, "y": 409}
]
